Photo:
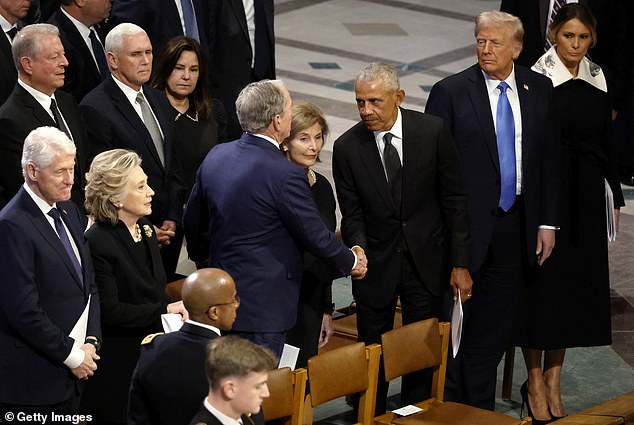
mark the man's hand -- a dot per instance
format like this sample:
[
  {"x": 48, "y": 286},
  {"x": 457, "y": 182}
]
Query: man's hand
[
  {"x": 362, "y": 263},
  {"x": 326, "y": 329},
  {"x": 165, "y": 232},
  {"x": 88, "y": 366},
  {"x": 460, "y": 280},
  {"x": 178, "y": 307},
  {"x": 545, "y": 244}
]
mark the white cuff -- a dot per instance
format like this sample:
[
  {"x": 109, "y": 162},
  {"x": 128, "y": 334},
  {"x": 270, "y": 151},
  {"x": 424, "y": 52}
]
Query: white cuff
[{"x": 75, "y": 358}]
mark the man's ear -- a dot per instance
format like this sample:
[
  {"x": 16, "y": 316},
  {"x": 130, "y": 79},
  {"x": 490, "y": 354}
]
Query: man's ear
[
  {"x": 30, "y": 171},
  {"x": 228, "y": 388}
]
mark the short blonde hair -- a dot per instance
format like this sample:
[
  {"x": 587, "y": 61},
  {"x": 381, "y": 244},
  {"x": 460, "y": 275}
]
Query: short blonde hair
[
  {"x": 106, "y": 180},
  {"x": 497, "y": 18}
]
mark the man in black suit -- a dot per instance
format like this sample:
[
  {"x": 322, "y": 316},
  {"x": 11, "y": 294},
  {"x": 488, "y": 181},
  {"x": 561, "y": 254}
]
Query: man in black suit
[
  {"x": 87, "y": 65},
  {"x": 36, "y": 101},
  {"x": 402, "y": 200},
  {"x": 237, "y": 55},
  {"x": 10, "y": 12},
  {"x": 123, "y": 112},
  {"x": 49, "y": 305},
  {"x": 501, "y": 120},
  {"x": 237, "y": 383},
  {"x": 164, "y": 19},
  {"x": 169, "y": 380}
]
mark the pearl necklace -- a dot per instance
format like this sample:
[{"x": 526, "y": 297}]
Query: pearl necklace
[
  {"x": 137, "y": 236},
  {"x": 312, "y": 178}
]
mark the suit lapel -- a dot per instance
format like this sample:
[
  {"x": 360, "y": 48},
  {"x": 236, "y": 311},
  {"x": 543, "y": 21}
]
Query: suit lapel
[
  {"x": 122, "y": 234},
  {"x": 412, "y": 154},
  {"x": 369, "y": 155},
  {"x": 482, "y": 108},
  {"x": 527, "y": 110},
  {"x": 237, "y": 9},
  {"x": 129, "y": 114},
  {"x": 79, "y": 243},
  {"x": 37, "y": 110},
  {"x": 74, "y": 37},
  {"x": 43, "y": 226}
]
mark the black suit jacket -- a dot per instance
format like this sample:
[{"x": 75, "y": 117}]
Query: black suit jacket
[
  {"x": 204, "y": 417},
  {"x": 8, "y": 73},
  {"x": 463, "y": 103},
  {"x": 21, "y": 114},
  {"x": 230, "y": 54},
  {"x": 159, "y": 18},
  {"x": 433, "y": 223},
  {"x": 612, "y": 51},
  {"x": 113, "y": 123},
  {"x": 177, "y": 358},
  {"x": 41, "y": 299},
  {"x": 82, "y": 74}
]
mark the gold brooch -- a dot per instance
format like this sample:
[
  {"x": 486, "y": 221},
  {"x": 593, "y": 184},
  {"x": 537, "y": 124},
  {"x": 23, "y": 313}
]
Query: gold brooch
[{"x": 148, "y": 230}]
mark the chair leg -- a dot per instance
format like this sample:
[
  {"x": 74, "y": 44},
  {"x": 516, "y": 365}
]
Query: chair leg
[{"x": 507, "y": 380}]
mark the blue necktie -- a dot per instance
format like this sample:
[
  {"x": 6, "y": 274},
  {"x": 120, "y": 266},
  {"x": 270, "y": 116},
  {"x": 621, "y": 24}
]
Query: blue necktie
[
  {"x": 506, "y": 148},
  {"x": 63, "y": 236},
  {"x": 191, "y": 27},
  {"x": 99, "y": 53}
]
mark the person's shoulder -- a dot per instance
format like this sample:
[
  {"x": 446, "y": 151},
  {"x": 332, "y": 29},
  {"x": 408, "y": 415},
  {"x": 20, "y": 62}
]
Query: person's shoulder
[
  {"x": 523, "y": 73},
  {"x": 99, "y": 96},
  {"x": 354, "y": 134}
]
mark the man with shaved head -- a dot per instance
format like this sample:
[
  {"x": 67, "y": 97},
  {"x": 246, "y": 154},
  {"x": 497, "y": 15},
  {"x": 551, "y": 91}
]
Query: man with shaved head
[{"x": 169, "y": 382}]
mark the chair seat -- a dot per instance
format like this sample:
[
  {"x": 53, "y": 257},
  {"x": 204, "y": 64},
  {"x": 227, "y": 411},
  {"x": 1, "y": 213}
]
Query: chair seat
[
  {"x": 620, "y": 407},
  {"x": 449, "y": 413},
  {"x": 580, "y": 419}
]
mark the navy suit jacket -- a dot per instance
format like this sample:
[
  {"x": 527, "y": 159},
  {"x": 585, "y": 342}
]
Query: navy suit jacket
[
  {"x": 21, "y": 114},
  {"x": 230, "y": 54},
  {"x": 41, "y": 298},
  {"x": 81, "y": 74},
  {"x": 113, "y": 123},
  {"x": 251, "y": 213},
  {"x": 432, "y": 224},
  {"x": 160, "y": 19},
  {"x": 8, "y": 73},
  {"x": 462, "y": 101},
  {"x": 177, "y": 358}
]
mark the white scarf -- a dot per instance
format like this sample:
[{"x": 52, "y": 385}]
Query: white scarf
[{"x": 551, "y": 66}]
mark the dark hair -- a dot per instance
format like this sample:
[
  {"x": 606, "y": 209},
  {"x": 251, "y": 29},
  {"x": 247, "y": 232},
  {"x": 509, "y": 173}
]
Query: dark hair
[
  {"x": 568, "y": 13},
  {"x": 166, "y": 62}
]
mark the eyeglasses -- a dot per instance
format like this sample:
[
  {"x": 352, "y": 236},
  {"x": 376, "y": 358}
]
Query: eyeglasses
[{"x": 236, "y": 301}]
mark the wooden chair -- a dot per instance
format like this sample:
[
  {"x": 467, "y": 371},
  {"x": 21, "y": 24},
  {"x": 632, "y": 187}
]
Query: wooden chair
[
  {"x": 346, "y": 370},
  {"x": 619, "y": 408},
  {"x": 581, "y": 419},
  {"x": 423, "y": 345},
  {"x": 173, "y": 289},
  {"x": 287, "y": 389}
]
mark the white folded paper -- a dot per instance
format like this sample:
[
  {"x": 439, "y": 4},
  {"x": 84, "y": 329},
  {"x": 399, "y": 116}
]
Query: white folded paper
[
  {"x": 410, "y": 409},
  {"x": 289, "y": 356},
  {"x": 609, "y": 212},
  {"x": 171, "y": 322},
  {"x": 456, "y": 325}
]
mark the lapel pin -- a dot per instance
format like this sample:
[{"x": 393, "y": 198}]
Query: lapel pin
[
  {"x": 65, "y": 212},
  {"x": 526, "y": 87}
]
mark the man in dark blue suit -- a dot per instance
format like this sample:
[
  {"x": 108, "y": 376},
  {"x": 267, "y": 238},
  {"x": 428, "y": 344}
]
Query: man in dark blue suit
[
  {"x": 169, "y": 380},
  {"x": 123, "y": 112},
  {"x": 513, "y": 192},
  {"x": 251, "y": 214},
  {"x": 10, "y": 12},
  {"x": 49, "y": 306},
  {"x": 87, "y": 65}
]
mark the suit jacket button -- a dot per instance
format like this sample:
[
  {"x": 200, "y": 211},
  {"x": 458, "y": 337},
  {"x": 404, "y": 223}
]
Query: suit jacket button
[{"x": 404, "y": 224}]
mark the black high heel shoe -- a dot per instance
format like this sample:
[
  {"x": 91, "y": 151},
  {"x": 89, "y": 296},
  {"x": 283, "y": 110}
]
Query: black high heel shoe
[
  {"x": 555, "y": 418},
  {"x": 524, "y": 394}
]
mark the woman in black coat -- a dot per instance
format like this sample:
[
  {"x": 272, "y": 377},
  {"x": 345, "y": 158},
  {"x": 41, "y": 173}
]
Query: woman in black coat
[{"x": 129, "y": 275}]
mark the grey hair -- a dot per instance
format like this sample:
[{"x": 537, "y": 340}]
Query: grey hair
[
  {"x": 497, "y": 18},
  {"x": 381, "y": 71},
  {"x": 106, "y": 180},
  {"x": 114, "y": 39},
  {"x": 42, "y": 145},
  {"x": 258, "y": 103},
  {"x": 26, "y": 42}
]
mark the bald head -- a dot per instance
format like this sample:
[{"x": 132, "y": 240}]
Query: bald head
[{"x": 210, "y": 297}]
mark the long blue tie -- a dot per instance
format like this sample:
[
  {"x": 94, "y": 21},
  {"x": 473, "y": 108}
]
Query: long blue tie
[
  {"x": 191, "y": 27},
  {"x": 506, "y": 148},
  {"x": 63, "y": 236}
]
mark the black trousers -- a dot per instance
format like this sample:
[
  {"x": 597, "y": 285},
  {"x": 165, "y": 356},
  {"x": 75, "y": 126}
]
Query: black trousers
[
  {"x": 417, "y": 304},
  {"x": 488, "y": 317}
]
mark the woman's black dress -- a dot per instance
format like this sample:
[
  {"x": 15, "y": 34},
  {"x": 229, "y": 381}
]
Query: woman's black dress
[{"x": 568, "y": 298}]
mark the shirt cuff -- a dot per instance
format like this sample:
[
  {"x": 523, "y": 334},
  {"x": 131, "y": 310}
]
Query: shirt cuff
[
  {"x": 75, "y": 358},
  {"x": 547, "y": 227},
  {"x": 355, "y": 256}
]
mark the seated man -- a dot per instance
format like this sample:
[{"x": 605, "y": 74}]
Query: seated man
[
  {"x": 169, "y": 380},
  {"x": 237, "y": 371}
]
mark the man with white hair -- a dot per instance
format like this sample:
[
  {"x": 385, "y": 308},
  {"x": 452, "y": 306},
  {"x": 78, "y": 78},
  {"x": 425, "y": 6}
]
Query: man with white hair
[
  {"x": 49, "y": 306},
  {"x": 123, "y": 112},
  {"x": 38, "y": 54}
]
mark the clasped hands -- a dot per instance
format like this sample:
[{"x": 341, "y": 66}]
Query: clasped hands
[
  {"x": 166, "y": 232},
  {"x": 361, "y": 267},
  {"x": 88, "y": 366}
]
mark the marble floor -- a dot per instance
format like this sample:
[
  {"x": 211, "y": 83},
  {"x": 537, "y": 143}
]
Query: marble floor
[{"x": 322, "y": 44}]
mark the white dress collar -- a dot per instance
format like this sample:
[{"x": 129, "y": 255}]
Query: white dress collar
[{"x": 551, "y": 66}]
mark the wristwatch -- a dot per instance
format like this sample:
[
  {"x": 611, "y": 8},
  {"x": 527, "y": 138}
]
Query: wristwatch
[{"x": 95, "y": 342}]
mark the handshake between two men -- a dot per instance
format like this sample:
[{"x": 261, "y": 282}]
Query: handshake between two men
[{"x": 361, "y": 267}]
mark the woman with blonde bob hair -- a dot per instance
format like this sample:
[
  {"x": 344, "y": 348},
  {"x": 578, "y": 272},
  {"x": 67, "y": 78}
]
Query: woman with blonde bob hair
[{"x": 128, "y": 272}]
